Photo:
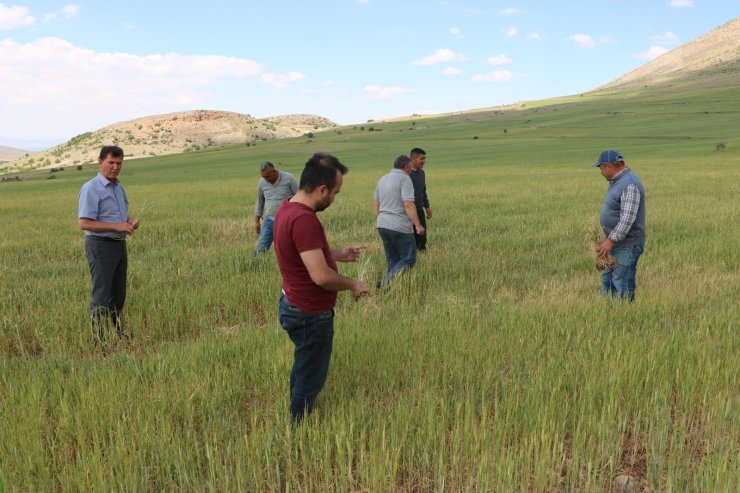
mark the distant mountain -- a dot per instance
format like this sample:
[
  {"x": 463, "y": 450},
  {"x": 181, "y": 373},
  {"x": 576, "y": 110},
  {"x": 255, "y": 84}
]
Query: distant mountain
[
  {"x": 170, "y": 134},
  {"x": 11, "y": 153},
  {"x": 713, "y": 58}
]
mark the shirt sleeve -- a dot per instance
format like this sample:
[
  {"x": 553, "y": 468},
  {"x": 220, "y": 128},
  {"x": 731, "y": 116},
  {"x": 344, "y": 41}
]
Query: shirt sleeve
[
  {"x": 627, "y": 213},
  {"x": 260, "y": 207},
  {"x": 407, "y": 190},
  {"x": 293, "y": 185},
  {"x": 88, "y": 203}
]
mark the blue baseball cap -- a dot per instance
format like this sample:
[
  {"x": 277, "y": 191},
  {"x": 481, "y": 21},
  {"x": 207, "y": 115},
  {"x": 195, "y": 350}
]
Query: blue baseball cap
[{"x": 608, "y": 157}]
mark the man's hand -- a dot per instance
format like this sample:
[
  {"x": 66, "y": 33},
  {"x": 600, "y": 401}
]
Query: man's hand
[
  {"x": 257, "y": 226},
  {"x": 349, "y": 253},
  {"x": 420, "y": 230},
  {"x": 359, "y": 289},
  {"x": 429, "y": 212},
  {"x": 605, "y": 247},
  {"x": 134, "y": 224},
  {"x": 126, "y": 228}
]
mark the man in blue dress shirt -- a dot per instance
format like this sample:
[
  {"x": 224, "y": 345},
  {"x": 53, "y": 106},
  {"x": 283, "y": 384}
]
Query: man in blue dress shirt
[{"x": 103, "y": 215}]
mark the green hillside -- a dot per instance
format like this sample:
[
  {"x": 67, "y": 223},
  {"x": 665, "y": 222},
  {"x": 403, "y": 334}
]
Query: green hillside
[{"x": 493, "y": 366}]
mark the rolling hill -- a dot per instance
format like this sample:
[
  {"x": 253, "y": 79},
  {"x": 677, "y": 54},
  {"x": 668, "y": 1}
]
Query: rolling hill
[
  {"x": 171, "y": 133},
  {"x": 713, "y": 57},
  {"x": 11, "y": 153}
]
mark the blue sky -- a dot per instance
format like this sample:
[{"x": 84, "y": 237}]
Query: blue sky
[{"x": 69, "y": 68}]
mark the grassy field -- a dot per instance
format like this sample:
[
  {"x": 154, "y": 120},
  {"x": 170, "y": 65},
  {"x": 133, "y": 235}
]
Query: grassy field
[{"x": 493, "y": 366}]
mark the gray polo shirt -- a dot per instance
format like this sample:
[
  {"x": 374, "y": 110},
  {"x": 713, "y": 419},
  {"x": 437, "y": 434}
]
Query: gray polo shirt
[
  {"x": 269, "y": 197},
  {"x": 392, "y": 190}
]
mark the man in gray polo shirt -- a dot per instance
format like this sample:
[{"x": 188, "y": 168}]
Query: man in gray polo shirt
[
  {"x": 103, "y": 215},
  {"x": 272, "y": 190},
  {"x": 396, "y": 218}
]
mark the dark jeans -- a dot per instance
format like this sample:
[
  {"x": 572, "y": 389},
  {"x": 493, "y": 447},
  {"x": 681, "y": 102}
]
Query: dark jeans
[
  {"x": 312, "y": 335},
  {"x": 400, "y": 252},
  {"x": 421, "y": 240},
  {"x": 108, "y": 263}
]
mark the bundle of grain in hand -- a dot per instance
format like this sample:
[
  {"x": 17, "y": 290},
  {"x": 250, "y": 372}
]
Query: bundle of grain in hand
[{"x": 594, "y": 234}]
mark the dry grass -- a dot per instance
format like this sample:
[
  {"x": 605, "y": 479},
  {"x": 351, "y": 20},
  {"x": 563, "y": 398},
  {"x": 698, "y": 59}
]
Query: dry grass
[{"x": 594, "y": 234}]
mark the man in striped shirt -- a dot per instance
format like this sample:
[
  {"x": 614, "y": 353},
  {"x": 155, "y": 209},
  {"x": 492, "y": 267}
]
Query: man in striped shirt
[{"x": 623, "y": 221}]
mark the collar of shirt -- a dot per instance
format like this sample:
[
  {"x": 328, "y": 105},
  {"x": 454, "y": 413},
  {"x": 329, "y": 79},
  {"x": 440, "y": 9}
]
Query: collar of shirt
[
  {"x": 105, "y": 182},
  {"x": 277, "y": 182},
  {"x": 618, "y": 175}
]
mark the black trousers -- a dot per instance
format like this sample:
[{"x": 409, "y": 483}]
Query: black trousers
[
  {"x": 108, "y": 261},
  {"x": 421, "y": 240}
]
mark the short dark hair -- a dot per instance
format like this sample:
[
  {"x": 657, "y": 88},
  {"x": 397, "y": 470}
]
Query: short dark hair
[
  {"x": 401, "y": 161},
  {"x": 266, "y": 165},
  {"x": 114, "y": 151},
  {"x": 321, "y": 169},
  {"x": 417, "y": 152}
]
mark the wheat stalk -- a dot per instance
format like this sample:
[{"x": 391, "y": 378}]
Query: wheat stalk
[{"x": 593, "y": 236}]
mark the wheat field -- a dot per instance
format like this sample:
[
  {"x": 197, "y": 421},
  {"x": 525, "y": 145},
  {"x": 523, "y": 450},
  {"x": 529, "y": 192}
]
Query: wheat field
[{"x": 494, "y": 365}]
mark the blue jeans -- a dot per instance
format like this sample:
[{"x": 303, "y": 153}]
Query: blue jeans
[
  {"x": 312, "y": 335},
  {"x": 265, "y": 236},
  {"x": 619, "y": 279},
  {"x": 400, "y": 251}
]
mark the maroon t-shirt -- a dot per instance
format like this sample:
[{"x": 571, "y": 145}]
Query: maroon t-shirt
[{"x": 297, "y": 229}]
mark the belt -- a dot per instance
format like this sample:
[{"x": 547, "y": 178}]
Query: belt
[{"x": 106, "y": 238}]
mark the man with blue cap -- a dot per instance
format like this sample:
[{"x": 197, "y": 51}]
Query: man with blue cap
[{"x": 623, "y": 222}]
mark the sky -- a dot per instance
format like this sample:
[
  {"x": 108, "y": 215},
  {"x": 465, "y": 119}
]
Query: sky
[{"x": 69, "y": 68}]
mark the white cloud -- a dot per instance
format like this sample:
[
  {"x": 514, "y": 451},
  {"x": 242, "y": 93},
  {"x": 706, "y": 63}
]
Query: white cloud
[
  {"x": 512, "y": 31},
  {"x": 583, "y": 40},
  {"x": 66, "y": 85},
  {"x": 535, "y": 36},
  {"x": 378, "y": 92},
  {"x": 499, "y": 60},
  {"x": 14, "y": 17},
  {"x": 607, "y": 40},
  {"x": 680, "y": 3},
  {"x": 281, "y": 81},
  {"x": 327, "y": 83},
  {"x": 474, "y": 11},
  {"x": 439, "y": 56},
  {"x": 510, "y": 11},
  {"x": 451, "y": 71},
  {"x": 454, "y": 30},
  {"x": 668, "y": 38},
  {"x": 49, "y": 17},
  {"x": 651, "y": 53},
  {"x": 70, "y": 11},
  {"x": 495, "y": 76}
]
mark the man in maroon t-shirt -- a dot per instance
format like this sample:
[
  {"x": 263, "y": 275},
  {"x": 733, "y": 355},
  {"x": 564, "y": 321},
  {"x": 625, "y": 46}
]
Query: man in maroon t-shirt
[{"x": 310, "y": 278}]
